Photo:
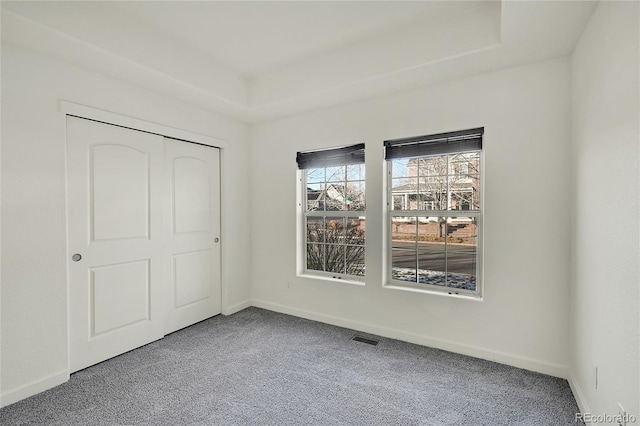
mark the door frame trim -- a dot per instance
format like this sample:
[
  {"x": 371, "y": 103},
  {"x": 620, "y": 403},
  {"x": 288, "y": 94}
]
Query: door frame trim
[{"x": 83, "y": 111}]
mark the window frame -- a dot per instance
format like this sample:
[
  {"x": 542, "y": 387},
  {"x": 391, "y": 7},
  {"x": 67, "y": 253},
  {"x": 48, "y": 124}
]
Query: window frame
[
  {"x": 304, "y": 214},
  {"x": 389, "y": 281}
]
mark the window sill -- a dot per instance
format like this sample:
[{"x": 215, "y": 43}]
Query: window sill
[
  {"x": 445, "y": 293},
  {"x": 332, "y": 279}
]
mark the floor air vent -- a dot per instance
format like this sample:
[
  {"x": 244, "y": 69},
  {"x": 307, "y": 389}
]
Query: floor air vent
[{"x": 365, "y": 340}]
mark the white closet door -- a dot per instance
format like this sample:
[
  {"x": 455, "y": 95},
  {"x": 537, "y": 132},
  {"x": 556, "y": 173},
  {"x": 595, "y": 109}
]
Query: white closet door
[
  {"x": 192, "y": 232},
  {"x": 115, "y": 208}
]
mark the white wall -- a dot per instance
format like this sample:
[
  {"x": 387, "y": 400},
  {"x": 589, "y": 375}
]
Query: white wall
[
  {"x": 523, "y": 319},
  {"x": 34, "y": 278},
  {"x": 605, "y": 297}
]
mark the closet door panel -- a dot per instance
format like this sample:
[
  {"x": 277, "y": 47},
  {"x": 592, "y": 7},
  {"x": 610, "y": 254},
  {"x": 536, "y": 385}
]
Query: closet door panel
[
  {"x": 192, "y": 232},
  {"x": 115, "y": 220}
]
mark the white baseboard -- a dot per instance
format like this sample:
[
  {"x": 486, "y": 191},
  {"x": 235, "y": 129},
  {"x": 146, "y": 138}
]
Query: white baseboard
[
  {"x": 550, "y": 369},
  {"x": 53, "y": 380},
  {"x": 577, "y": 393},
  {"x": 556, "y": 370},
  {"x": 237, "y": 307},
  {"x": 33, "y": 388}
]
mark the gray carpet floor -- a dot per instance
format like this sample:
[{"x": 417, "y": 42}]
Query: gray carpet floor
[{"x": 258, "y": 367}]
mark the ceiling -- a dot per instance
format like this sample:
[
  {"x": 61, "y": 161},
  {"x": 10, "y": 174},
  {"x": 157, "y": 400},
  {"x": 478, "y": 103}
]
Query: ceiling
[
  {"x": 258, "y": 60},
  {"x": 256, "y": 37}
]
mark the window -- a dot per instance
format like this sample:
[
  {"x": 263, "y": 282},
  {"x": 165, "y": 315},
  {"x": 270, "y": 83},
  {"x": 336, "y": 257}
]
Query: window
[
  {"x": 435, "y": 211},
  {"x": 333, "y": 208}
]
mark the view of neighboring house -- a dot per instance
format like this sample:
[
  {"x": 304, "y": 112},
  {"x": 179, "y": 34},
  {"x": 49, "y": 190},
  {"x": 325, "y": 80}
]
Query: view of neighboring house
[
  {"x": 445, "y": 182},
  {"x": 334, "y": 197}
]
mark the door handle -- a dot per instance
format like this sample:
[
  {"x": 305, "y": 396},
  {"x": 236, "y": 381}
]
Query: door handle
[
  {"x": 216, "y": 239},
  {"x": 76, "y": 257}
]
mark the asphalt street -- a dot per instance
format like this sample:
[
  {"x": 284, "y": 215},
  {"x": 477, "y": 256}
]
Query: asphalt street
[{"x": 461, "y": 258}]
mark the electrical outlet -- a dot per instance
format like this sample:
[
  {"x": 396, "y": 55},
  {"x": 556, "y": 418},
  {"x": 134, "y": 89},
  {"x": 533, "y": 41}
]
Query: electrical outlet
[{"x": 622, "y": 416}]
